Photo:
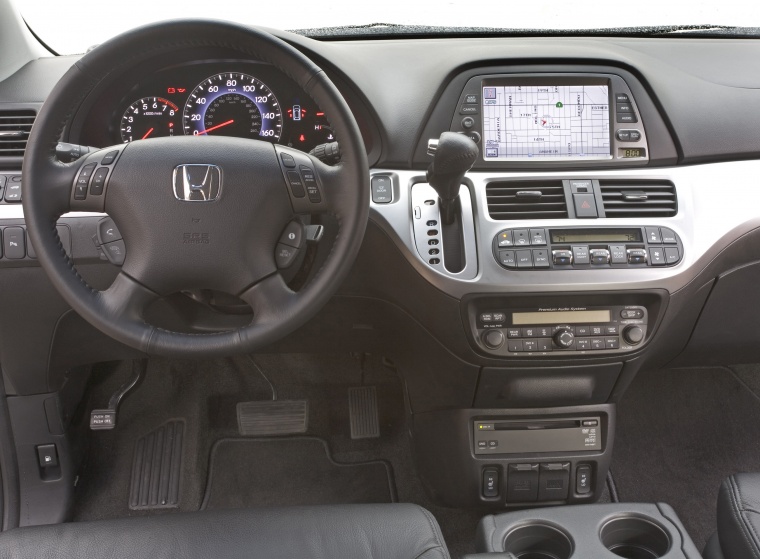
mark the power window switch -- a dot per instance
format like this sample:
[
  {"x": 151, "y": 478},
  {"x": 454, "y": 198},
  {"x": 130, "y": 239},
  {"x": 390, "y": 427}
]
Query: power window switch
[{"x": 47, "y": 455}]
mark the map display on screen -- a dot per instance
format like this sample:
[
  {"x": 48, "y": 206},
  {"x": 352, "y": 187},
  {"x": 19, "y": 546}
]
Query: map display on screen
[{"x": 526, "y": 122}]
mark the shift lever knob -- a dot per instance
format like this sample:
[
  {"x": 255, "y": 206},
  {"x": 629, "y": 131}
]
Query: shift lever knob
[{"x": 453, "y": 155}]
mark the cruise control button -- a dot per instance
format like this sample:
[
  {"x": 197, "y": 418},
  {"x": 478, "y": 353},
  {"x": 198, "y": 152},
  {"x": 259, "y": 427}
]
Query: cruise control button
[
  {"x": 310, "y": 183},
  {"x": 581, "y": 255},
  {"x": 507, "y": 258},
  {"x": 296, "y": 185},
  {"x": 541, "y": 258},
  {"x": 292, "y": 236},
  {"x": 524, "y": 259},
  {"x": 672, "y": 255},
  {"x": 284, "y": 255}
]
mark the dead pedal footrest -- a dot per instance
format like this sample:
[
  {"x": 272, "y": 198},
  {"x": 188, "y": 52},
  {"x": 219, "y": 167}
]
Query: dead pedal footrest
[
  {"x": 157, "y": 468},
  {"x": 275, "y": 417}
]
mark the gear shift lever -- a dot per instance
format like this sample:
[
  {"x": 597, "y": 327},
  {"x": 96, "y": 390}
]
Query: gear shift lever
[{"x": 453, "y": 155}]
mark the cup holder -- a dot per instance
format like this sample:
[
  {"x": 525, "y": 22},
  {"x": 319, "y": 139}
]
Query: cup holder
[
  {"x": 538, "y": 541},
  {"x": 635, "y": 538}
]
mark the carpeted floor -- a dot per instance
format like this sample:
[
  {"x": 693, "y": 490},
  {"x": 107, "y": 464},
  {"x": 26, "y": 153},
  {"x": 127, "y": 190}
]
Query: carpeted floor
[
  {"x": 205, "y": 393},
  {"x": 680, "y": 432}
]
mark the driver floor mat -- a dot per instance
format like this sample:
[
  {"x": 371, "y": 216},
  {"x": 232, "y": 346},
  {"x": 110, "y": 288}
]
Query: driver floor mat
[{"x": 291, "y": 471}]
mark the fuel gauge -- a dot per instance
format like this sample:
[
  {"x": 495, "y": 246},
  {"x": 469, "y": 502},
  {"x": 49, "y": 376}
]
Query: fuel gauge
[{"x": 149, "y": 117}]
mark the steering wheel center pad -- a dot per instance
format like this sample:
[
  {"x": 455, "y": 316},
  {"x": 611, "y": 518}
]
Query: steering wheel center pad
[{"x": 242, "y": 225}]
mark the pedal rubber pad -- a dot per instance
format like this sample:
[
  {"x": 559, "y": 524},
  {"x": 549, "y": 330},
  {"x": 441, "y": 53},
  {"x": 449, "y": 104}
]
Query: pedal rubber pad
[
  {"x": 156, "y": 468},
  {"x": 273, "y": 417},
  {"x": 362, "y": 409}
]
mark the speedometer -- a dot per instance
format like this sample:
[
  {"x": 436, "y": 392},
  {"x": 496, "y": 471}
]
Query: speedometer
[{"x": 233, "y": 104}]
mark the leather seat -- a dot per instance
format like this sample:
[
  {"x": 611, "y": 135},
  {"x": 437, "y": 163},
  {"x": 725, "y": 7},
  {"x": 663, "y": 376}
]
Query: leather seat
[
  {"x": 738, "y": 535},
  {"x": 394, "y": 531}
]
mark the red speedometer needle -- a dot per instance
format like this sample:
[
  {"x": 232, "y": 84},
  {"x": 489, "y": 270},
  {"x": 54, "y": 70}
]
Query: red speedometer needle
[
  {"x": 147, "y": 133},
  {"x": 207, "y": 130}
]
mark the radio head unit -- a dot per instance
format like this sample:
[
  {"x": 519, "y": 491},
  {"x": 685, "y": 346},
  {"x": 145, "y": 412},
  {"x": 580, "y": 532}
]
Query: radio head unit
[{"x": 550, "y": 119}]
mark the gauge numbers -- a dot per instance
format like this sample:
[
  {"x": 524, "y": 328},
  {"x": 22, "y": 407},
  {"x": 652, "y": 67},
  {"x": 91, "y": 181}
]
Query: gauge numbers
[
  {"x": 149, "y": 117},
  {"x": 233, "y": 104}
]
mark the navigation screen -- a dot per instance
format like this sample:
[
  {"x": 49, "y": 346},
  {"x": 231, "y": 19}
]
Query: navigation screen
[{"x": 527, "y": 122}]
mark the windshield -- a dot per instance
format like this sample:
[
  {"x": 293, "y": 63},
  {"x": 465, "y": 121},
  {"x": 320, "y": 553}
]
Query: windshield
[{"x": 93, "y": 21}]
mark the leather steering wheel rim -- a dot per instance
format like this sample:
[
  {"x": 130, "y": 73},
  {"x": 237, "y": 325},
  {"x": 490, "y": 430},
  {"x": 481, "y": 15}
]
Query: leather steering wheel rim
[{"x": 117, "y": 311}]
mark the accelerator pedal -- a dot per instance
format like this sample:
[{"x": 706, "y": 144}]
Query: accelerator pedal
[
  {"x": 273, "y": 417},
  {"x": 156, "y": 468},
  {"x": 362, "y": 410}
]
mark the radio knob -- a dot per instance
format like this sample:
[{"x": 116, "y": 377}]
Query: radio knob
[
  {"x": 633, "y": 334},
  {"x": 493, "y": 339},
  {"x": 564, "y": 337}
]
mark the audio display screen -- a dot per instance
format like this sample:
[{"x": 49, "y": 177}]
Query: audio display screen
[
  {"x": 529, "y": 121},
  {"x": 560, "y": 317}
]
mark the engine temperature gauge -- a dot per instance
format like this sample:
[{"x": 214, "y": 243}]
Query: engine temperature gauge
[{"x": 149, "y": 117}]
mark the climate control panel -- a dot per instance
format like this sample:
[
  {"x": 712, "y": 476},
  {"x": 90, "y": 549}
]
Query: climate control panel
[{"x": 578, "y": 248}]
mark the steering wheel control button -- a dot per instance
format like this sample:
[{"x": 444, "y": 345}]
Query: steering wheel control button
[
  {"x": 98, "y": 181},
  {"x": 562, "y": 257},
  {"x": 382, "y": 190},
  {"x": 310, "y": 182},
  {"x": 107, "y": 231},
  {"x": 292, "y": 236},
  {"x": 296, "y": 184},
  {"x": 288, "y": 160},
  {"x": 83, "y": 181},
  {"x": 285, "y": 255},
  {"x": 14, "y": 243},
  {"x": 116, "y": 252},
  {"x": 110, "y": 157},
  {"x": 581, "y": 255}
]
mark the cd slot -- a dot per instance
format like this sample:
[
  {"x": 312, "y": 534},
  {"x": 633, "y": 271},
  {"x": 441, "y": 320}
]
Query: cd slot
[{"x": 536, "y": 425}]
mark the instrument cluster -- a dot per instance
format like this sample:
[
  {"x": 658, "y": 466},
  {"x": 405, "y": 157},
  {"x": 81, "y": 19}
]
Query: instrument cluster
[{"x": 236, "y": 98}]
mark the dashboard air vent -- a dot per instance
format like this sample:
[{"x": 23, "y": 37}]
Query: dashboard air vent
[
  {"x": 14, "y": 131},
  {"x": 526, "y": 200},
  {"x": 639, "y": 198}
]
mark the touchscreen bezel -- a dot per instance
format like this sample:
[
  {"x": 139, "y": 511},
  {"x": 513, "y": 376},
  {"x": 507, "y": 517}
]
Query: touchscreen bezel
[{"x": 550, "y": 81}]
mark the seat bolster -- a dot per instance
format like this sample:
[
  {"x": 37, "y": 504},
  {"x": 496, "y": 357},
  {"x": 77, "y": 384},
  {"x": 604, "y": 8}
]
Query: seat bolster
[
  {"x": 387, "y": 531},
  {"x": 739, "y": 516}
]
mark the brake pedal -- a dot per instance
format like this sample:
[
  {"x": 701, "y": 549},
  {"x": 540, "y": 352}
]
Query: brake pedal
[
  {"x": 104, "y": 419},
  {"x": 273, "y": 417}
]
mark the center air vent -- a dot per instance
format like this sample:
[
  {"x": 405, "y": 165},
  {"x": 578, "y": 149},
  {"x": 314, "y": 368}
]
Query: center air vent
[
  {"x": 14, "y": 131},
  {"x": 639, "y": 198},
  {"x": 526, "y": 200}
]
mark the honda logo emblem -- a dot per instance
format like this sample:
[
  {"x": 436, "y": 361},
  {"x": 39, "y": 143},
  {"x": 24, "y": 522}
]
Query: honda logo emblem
[{"x": 197, "y": 183}]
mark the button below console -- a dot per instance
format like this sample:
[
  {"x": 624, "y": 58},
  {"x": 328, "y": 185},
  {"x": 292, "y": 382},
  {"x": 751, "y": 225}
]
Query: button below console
[
  {"x": 581, "y": 255},
  {"x": 562, "y": 257},
  {"x": 600, "y": 256},
  {"x": 537, "y": 237},
  {"x": 583, "y": 479},
  {"x": 618, "y": 254},
  {"x": 524, "y": 259},
  {"x": 507, "y": 258},
  {"x": 504, "y": 239},
  {"x": 541, "y": 258},
  {"x": 657, "y": 256},
  {"x": 553, "y": 481},
  {"x": 583, "y": 344},
  {"x": 522, "y": 483},
  {"x": 637, "y": 256},
  {"x": 668, "y": 236},
  {"x": 672, "y": 255},
  {"x": 490, "y": 483},
  {"x": 653, "y": 235},
  {"x": 14, "y": 243},
  {"x": 521, "y": 237}
]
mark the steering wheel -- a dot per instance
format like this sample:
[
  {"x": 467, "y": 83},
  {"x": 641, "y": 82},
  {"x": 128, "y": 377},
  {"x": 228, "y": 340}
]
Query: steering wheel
[{"x": 195, "y": 212}]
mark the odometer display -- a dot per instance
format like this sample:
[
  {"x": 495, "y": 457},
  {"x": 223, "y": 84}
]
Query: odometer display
[{"x": 233, "y": 104}]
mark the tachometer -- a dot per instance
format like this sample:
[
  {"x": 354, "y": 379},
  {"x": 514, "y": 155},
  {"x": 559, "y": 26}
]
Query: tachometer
[
  {"x": 233, "y": 104},
  {"x": 149, "y": 117}
]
